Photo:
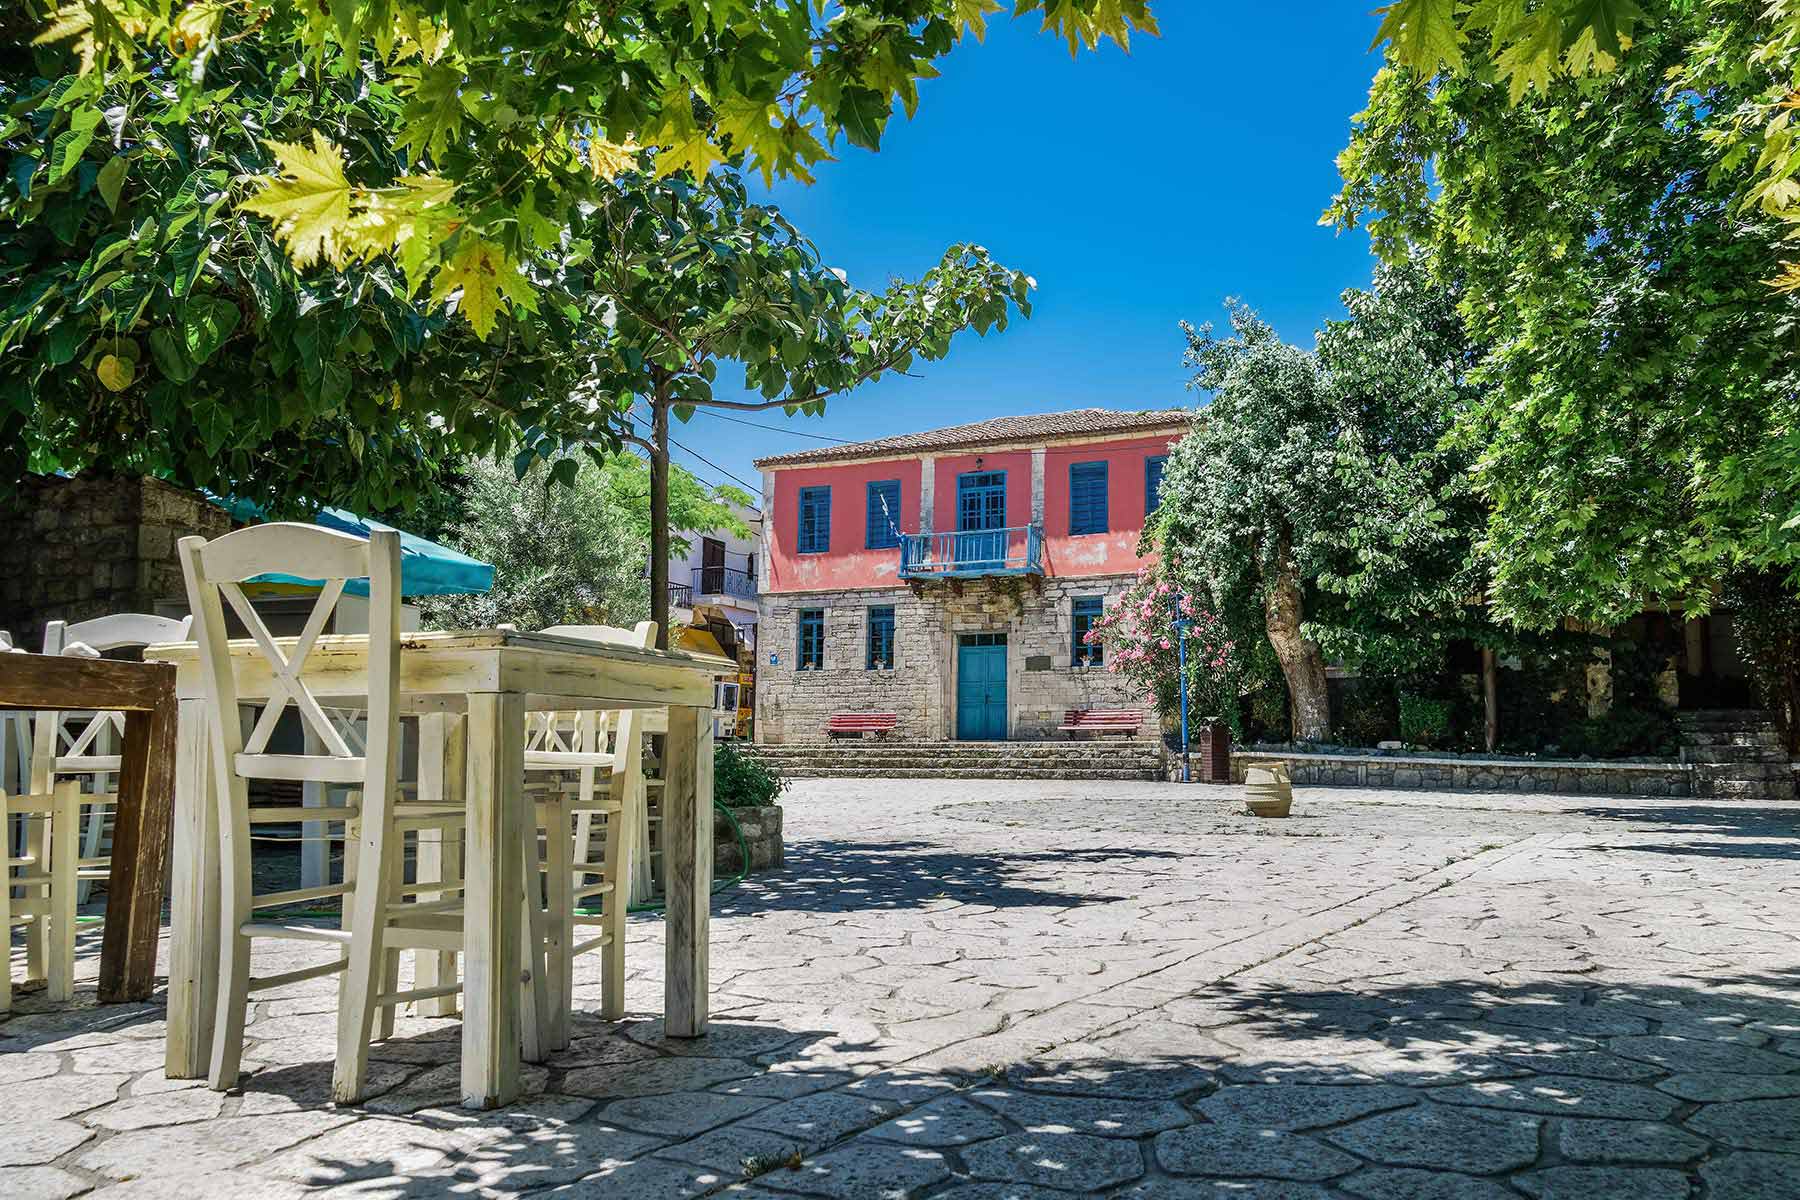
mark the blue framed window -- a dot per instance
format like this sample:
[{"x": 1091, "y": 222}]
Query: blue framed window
[
  {"x": 1087, "y": 497},
  {"x": 884, "y": 515},
  {"x": 811, "y": 651},
  {"x": 1153, "y": 473},
  {"x": 815, "y": 521},
  {"x": 1087, "y": 611},
  {"x": 881, "y": 638}
]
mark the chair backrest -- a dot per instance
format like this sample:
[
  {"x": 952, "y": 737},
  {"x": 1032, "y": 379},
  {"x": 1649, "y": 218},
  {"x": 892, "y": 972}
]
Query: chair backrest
[
  {"x": 642, "y": 635},
  {"x": 57, "y": 749},
  {"x": 114, "y": 632},
  {"x": 560, "y": 731},
  {"x": 216, "y": 570}
]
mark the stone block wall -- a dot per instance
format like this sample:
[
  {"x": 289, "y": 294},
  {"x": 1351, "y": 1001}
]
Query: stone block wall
[
  {"x": 1042, "y": 682},
  {"x": 91, "y": 545},
  {"x": 762, "y": 836},
  {"x": 1476, "y": 775}
]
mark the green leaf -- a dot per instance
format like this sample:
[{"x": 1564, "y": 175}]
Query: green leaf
[
  {"x": 564, "y": 471},
  {"x": 65, "y": 342},
  {"x": 862, "y": 114},
  {"x": 205, "y": 324},
  {"x": 1423, "y": 34},
  {"x": 67, "y": 150},
  {"x": 110, "y": 180},
  {"x": 170, "y": 358}
]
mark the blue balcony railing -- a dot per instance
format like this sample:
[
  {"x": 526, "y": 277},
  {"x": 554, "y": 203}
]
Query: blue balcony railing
[
  {"x": 724, "y": 581},
  {"x": 1015, "y": 551}
]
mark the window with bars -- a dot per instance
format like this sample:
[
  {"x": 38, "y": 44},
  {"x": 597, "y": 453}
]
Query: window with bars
[
  {"x": 1087, "y": 497},
  {"x": 815, "y": 520},
  {"x": 881, "y": 638},
  {"x": 1087, "y": 610},
  {"x": 811, "y": 651},
  {"x": 884, "y": 515},
  {"x": 1153, "y": 473}
]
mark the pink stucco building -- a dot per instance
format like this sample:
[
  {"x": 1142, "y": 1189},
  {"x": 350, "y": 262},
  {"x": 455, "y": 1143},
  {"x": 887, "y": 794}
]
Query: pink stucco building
[{"x": 948, "y": 576}]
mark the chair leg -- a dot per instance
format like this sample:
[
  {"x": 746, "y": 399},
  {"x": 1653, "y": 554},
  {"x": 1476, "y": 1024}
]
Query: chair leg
[
  {"x": 234, "y": 947},
  {"x": 534, "y": 1007},
  {"x": 363, "y": 977},
  {"x": 6, "y": 849},
  {"x": 390, "y": 966},
  {"x": 65, "y": 852},
  {"x": 37, "y": 946},
  {"x": 559, "y": 959}
]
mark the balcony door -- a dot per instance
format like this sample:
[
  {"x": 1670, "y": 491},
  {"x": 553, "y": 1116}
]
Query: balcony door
[
  {"x": 981, "y": 507},
  {"x": 712, "y": 567}
]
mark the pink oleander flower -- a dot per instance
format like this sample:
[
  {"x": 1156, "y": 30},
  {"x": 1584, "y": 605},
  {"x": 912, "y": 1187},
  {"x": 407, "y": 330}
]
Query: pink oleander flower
[{"x": 1166, "y": 644}]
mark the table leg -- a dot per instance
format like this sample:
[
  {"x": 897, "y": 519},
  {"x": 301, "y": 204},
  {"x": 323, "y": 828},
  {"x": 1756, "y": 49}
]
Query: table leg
[
  {"x": 193, "y": 901},
  {"x": 141, "y": 828},
  {"x": 494, "y": 890},
  {"x": 687, "y": 826}
]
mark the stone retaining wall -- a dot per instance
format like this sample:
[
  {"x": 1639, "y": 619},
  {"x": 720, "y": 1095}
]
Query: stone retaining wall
[
  {"x": 762, "y": 833},
  {"x": 1476, "y": 775}
]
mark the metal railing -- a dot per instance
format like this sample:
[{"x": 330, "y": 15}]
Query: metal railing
[
  {"x": 1013, "y": 551},
  {"x": 724, "y": 581},
  {"x": 681, "y": 596}
]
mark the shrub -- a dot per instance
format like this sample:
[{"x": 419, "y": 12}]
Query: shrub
[
  {"x": 1424, "y": 721},
  {"x": 742, "y": 780}
]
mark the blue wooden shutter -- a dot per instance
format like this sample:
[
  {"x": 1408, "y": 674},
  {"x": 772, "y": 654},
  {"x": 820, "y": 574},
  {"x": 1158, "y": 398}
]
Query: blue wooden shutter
[
  {"x": 1087, "y": 497},
  {"x": 815, "y": 520},
  {"x": 1153, "y": 472},
  {"x": 883, "y": 531}
]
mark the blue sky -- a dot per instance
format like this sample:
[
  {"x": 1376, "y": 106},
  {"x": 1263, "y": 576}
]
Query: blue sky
[{"x": 1139, "y": 190}]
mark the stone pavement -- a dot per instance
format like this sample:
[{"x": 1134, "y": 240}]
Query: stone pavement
[{"x": 1012, "y": 991}]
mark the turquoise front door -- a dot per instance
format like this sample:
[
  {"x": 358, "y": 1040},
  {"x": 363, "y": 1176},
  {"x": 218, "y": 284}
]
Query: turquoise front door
[{"x": 981, "y": 687}]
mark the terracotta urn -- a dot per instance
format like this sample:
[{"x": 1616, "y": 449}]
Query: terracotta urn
[{"x": 1267, "y": 790}]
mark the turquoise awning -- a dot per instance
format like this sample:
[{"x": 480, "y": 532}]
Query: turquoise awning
[{"x": 426, "y": 568}]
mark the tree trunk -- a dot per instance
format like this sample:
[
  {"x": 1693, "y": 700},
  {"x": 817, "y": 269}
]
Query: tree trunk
[
  {"x": 659, "y": 518},
  {"x": 1302, "y": 663},
  {"x": 1490, "y": 698}
]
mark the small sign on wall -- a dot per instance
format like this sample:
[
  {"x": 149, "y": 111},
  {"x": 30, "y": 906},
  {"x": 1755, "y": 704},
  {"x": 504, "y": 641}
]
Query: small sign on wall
[{"x": 774, "y": 660}]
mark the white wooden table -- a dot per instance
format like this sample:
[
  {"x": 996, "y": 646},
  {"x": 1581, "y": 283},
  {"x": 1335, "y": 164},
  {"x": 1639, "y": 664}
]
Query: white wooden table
[{"x": 494, "y": 677}]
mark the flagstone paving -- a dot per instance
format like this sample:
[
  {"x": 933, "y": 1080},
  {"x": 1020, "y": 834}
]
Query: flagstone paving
[{"x": 983, "y": 990}]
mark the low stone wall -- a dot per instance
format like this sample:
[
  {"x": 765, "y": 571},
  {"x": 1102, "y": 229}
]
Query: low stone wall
[
  {"x": 1476, "y": 774},
  {"x": 762, "y": 833}
]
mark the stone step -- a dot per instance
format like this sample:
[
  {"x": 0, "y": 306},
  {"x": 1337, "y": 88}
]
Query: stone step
[
  {"x": 1725, "y": 716},
  {"x": 1744, "y": 790},
  {"x": 1743, "y": 770},
  {"x": 989, "y": 772},
  {"x": 1735, "y": 754},
  {"x": 1770, "y": 738}
]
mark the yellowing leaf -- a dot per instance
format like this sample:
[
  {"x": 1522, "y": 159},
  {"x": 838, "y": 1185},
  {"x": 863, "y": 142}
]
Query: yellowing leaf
[
  {"x": 309, "y": 203},
  {"x": 410, "y": 219},
  {"x": 487, "y": 278},
  {"x": 610, "y": 159},
  {"x": 1532, "y": 47},
  {"x": 115, "y": 373},
  {"x": 682, "y": 143}
]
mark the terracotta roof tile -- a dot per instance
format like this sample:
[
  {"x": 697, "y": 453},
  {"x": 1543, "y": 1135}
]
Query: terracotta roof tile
[{"x": 1000, "y": 430}]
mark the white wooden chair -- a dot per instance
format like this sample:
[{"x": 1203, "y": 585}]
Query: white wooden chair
[
  {"x": 594, "y": 861},
  {"x": 379, "y": 922},
  {"x": 83, "y": 744},
  {"x": 46, "y": 909}
]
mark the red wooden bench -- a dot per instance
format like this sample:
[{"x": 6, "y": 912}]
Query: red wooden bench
[
  {"x": 846, "y": 724},
  {"x": 1124, "y": 721}
]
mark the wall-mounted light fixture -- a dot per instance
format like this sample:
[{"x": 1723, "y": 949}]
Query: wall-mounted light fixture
[{"x": 978, "y": 462}]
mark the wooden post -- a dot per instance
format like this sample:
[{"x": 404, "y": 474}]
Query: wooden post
[
  {"x": 493, "y": 960},
  {"x": 1490, "y": 697},
  {"x": 140, "y": 851},
  {"x": 687, "y": 823},
  {"x": 440, "y": 782}
]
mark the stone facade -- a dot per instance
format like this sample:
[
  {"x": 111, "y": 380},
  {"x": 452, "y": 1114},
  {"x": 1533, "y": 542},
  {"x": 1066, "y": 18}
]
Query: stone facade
[
  {"x": 84, "y": 547},
  {"x": 1035, "y": 615},
  {"x": 1477, "y": 775}
]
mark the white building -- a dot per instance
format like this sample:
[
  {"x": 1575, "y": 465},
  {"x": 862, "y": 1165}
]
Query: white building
[{"x": 719, "y": 569}]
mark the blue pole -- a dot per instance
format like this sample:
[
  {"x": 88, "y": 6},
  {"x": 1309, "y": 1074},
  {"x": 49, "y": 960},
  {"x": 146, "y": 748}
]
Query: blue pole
[{"x": 1187, "y": 774}]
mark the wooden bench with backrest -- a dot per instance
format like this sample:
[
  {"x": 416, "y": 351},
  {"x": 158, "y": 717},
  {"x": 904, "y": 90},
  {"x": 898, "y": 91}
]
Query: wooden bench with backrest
[
  {"x": 846, "y": 724},
  {"x": 1124, "y": 721}
]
